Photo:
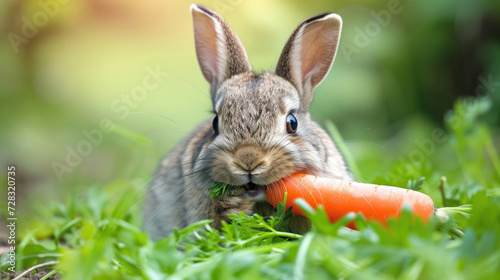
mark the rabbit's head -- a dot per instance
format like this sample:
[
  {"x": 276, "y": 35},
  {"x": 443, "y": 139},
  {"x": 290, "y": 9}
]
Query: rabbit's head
[{"x": 262, "y": 130}]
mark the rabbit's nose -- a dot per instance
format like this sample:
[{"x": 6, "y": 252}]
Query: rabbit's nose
[{"x": 248, "y": 158}]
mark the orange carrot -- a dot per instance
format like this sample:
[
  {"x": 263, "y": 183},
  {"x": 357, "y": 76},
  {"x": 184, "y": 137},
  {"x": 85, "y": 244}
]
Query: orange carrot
[{"x": 339, "y": 198}]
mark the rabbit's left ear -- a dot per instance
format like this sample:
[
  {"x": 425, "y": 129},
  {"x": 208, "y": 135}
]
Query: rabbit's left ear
[
  {"x": 219, "y": 50},
  {"x": 309, "y": 53}
]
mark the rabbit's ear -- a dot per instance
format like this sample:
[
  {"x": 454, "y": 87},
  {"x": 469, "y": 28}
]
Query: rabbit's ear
[
  {"x": 309, "y": 53},
  {"x": 220, "y": 52}
]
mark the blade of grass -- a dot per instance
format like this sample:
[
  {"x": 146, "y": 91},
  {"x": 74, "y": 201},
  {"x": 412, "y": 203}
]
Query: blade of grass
[{"x": 339, "y": 142}]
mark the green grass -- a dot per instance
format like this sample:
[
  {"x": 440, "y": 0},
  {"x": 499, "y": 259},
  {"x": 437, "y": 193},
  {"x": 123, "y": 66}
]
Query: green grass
[
  {"x": 98, "y": 235},
  {"x": 218, "y": 188}
]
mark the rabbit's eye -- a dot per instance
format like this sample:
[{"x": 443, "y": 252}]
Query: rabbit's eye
[
  {"x": 215, "y": 125},
  {"x": 291, "y": 124}
]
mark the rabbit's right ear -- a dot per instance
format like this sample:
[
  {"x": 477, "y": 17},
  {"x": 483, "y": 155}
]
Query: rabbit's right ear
[
  {"x": 309, "y": 53},
  {"x": 220, "y": 52}
]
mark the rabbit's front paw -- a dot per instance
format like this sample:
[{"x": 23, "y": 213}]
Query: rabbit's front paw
[{"x": 230, "y": 204}]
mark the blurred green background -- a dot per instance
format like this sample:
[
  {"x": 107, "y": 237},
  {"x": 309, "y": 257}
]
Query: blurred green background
[{"x": 65, "y": 66}]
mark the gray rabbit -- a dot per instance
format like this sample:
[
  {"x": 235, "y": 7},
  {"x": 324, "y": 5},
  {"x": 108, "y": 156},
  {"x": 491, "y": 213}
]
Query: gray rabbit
[{"x": 262, "y": 130}]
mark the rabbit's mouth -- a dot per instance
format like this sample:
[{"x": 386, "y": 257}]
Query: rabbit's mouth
[{"x": 255, "y": 191}]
